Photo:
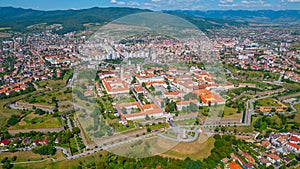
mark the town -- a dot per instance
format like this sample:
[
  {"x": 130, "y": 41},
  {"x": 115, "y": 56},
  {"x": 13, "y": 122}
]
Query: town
[{"x": 57, "y": 103}]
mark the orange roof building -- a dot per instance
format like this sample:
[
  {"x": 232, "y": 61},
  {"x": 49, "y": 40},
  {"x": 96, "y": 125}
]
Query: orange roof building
[
  {"x": 209, "y": 97},
  {"x": 234, "y": 165},
  {"x": 151, "y": 110},
  {"x": 115, "y": 86}
]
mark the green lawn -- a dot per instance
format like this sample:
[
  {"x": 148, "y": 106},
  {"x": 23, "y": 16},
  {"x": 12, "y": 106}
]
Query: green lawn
[
  {"x": 46, "y": 98},
  {"x": 187, "y": 122},
  {"x": 266, "y": 102},
  {"x": 297, "y": 117},
  {"x": 35, "y": 121},
  {"x": 120, "y": 127},
  {"x": 54, "y": 84}
]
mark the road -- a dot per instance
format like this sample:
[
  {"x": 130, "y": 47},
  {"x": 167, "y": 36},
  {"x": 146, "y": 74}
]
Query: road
[
  {"x": 106, "y": 147},
  {"x": 230, "y": 73},
  {"x": 69, "y": 123}
]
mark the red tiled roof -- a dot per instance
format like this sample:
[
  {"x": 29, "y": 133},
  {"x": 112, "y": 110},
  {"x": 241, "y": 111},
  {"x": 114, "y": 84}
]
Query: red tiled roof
[
  {"x": 294, "y": 138},
  {"x": 234, "y": 165},
  {"x": 273, "y": 156},
  {"x": 5, "y": 142},
  {"x": 294, "y": 145}
]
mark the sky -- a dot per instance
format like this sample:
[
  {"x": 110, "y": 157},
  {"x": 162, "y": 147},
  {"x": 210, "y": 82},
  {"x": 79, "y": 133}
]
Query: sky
[{"x": 156, "y": 4}]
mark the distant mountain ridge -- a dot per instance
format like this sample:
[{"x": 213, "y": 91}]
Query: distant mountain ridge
[
  {"x": 18, "y": 18},
  {"x": 259, "y": 16}
]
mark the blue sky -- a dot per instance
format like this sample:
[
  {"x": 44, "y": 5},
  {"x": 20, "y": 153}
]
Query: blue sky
[{"x": 156, "y": 4}]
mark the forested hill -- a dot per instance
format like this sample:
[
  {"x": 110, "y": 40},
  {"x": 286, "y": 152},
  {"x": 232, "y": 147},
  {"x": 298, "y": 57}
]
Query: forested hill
[
  {"x": 259, "y": 16},
  {"x": 19, "y": 19}
]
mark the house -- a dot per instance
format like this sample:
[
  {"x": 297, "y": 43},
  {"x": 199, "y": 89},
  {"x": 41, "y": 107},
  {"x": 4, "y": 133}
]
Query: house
[
  {"x": 209, "y": 97},
  {"x": 41, "y": 142},
  {"x": 265, "y": 161},
  {"x": 88, "y": 93},
  {"x": 115, "y": 86},
  {"x": 26, "y": 141},
  {"x": 273, "y": 158},
  {"x": 266, "y": 144},
  {"x": 294, "y": 147},
  {"x": 56, "y": 140},
  {"x": 4, "y": 142},
  {"x": 138, "y": 89},
  {"x": 234, "y": 165},
  {"x": 296, "y": 134},
  {"x": 248, "y": 157},
  {"x": 294, "y": 140},
  {"x": 152, "y": 110},
  {"x": 172, "y": 95}
]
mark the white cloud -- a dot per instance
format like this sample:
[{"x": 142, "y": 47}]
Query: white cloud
[
  {"x": 133, "y": 3},
  {"x": 121, "y": 3},
  {"x": 293, "y": 0},
  {"x": 113, "y": 1},
  {"x": 245, "y": 4},
  {"x": 226, "y": 1}
]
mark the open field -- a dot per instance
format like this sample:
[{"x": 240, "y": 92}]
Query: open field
[
  {"x": 46, "y": 98},
  {"x": 228, "y": 112},
  {"x": 4, "y": 28},
  {"x": 297, "y": 117},
  {"x": 54, "y": 84},
  {"x": 4, "y": 35},
  {"x": 27, "y": 156},
  {"x": 34, "y": 121},
  {"x": 196, "y": 150},
  {"x": 5, "y": 113},
  {"x": 23, "y": 156},
  {"x": 267, "y": 102},
  {"x": 253, "y": 74}
]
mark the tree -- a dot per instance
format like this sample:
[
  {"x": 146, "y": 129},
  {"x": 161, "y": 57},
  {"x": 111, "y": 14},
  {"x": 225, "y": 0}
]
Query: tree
[
  {"x": 147, "y": 117},
  {"x": 217, "y": 129},
  {"x": 39, "y": 111},
  {"x": 7, "y": 165},
  {"x": 148, "y": 130},
  {"x": 152, "y": 88},
  {"x": 44, "y": 150},
  {"x": 54, "y": 100},
  {"x": 13, "y": 120},
  {"x": 144, "y": 85},
  {"x": 169, "y": 88},
  {"x": 133, "y": 80},
  {"x": 14, "y": 158},
  {"x": 193, "y": 107},
  {"x": 223, "y": 129},
  {"x": 76, "y": 130}
]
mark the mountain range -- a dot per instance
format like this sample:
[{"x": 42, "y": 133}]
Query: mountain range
[
  {"x": 259, "y": 16},
  {"x": 19, "y": 19}
]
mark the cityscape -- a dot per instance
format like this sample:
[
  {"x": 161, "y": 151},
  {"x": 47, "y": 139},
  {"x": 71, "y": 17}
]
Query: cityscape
[{"x": 137, "y": 88}]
